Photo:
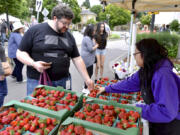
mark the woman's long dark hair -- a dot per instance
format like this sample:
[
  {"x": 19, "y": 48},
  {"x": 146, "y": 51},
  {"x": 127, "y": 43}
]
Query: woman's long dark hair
[
  {"x": 89, "y": 30},
  {"x": 98, "y": 30},
  {"x": 152, "y": 53},
  {"x": 98, "y": 33}
]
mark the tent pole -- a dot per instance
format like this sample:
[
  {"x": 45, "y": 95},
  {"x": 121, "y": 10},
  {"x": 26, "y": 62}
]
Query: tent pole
[
  {"x": 130, "y": 38},
  {"x": 132, "y": 61}
]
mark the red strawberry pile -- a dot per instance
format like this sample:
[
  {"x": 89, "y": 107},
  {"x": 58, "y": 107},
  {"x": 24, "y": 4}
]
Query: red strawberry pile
[
  {"x": 127, "y": 98},
  {"x": 127, "y": 119},
  {"x": 17, "y": 122},
  {"x": 74, "y": 130},
  {"x": 52, "y": 99},
  {"x": 107, "y": 115},
  {"x": 105, "y": 81}
]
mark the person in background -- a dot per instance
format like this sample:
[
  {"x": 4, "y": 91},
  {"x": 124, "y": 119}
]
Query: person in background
[
  {"x": 33, "y": 21},
  {"x": 159, "y": 86},
  {"x": 4, "y": 32},
  {"x": 50, "y": 46},
  {"x": 107, "y": 28},
  {"x": 3, "y": 83},
  {"x": 11, "y": 26},
  {"x": 88, "y": 49},
  {"x": 101, "y": 39},
  {"x": 163, "y": 28},
  {"x": 13, "y": 44}
]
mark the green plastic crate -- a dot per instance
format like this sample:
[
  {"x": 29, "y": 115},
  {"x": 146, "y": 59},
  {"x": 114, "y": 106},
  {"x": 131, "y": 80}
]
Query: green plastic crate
[
  {"x": 28, "y": 108},
  {"x": 113, "y": 130}
]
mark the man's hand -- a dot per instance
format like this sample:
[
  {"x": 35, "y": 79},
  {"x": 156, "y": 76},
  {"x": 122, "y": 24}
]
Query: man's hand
[
  {"x": 41, "y": 65},
  {"x": 90, "y": 84},
  {"x": 101, "y": 90},
  {"x": 2, "y": 77}
]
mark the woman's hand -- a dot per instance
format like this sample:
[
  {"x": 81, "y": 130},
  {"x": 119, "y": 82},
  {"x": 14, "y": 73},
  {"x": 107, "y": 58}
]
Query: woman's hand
[{"x": 101, "y": 90}]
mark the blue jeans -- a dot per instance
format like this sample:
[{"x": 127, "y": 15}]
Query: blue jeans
[
  {"x": 3, "y": 38},
  {"x": 32, "y": 83},
  {"x": 100, "y": 51},
  {"x": 3, "y": 91}
]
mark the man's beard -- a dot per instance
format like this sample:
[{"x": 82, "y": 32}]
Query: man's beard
[{"x": 60, "y": 30}]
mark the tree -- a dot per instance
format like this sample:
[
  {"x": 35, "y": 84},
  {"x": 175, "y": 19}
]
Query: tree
[
  {"x": 117, "y": 15},
  {"x": 96, "y": 9},
  {"x": 145, "y": 19},
  {"x": 86, "y": 4},
  {"x": 75, "y": 8},
  {"x": 174, "y": 25},
  {"x": 11, "y": 6},
  {"x": 91, "y": 21}
]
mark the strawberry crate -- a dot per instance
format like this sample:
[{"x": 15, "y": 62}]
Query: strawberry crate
[
  {"x": 111, "y": 115},
  {"x": 123, "y": 98},
  {"x": 77, "y": 126},
  {"x": 55, "y": 100},
  {"x": 17, "y": 119}
]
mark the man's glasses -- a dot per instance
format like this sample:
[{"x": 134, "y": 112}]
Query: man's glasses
[
  {"x": 65, "y": 23},
  {"x": 134, "y": 54}
]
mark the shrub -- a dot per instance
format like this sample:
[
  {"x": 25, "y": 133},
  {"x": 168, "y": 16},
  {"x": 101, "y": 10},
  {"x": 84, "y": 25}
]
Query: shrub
[
  {"x": 174, "y": 25},
  {"x": 170, "y": 41},
  {"x": 114, "y": 36}
]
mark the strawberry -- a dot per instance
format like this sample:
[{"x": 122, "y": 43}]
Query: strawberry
[
  {"x": 48, "y": 121},
  {"x": 32, "y": 128},
  {"x": 89, "y": 133},
  {"x": 70, "y": 128}
]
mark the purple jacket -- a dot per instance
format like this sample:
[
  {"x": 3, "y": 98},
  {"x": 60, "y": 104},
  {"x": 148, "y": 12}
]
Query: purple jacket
[{"x": 166, "y": 90}]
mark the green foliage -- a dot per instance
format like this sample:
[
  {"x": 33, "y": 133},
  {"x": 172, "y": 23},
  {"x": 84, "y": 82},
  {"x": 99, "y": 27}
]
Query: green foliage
[
  {"x": 91, "y": 21},
  {"x": 174, "y": 25},
  {"x": 17, "y": 8},
  {"x": 96, "y": 9},
  {"x": 75, "y": 8},
  {"x": 114, "y": 36},
  {"x": 170, "y": 41},
  {"x": 86, "y": 4},
  {"x": 177, "y": 67},
  {"x": 49, "y": 5},
  {"x": 145, "y": 19},
  {"x": 118, "y": 16}
]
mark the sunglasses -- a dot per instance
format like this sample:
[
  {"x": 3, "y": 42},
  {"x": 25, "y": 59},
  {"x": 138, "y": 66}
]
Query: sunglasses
[{"x": 134, "y": 54}]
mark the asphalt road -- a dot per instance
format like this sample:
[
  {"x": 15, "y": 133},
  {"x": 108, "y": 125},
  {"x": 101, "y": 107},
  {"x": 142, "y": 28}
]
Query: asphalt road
[{"x": 115, "y": 50}]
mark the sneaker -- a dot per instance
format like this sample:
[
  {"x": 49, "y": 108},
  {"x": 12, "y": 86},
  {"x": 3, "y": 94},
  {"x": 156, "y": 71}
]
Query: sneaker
[{"x": 21, "y": 81}]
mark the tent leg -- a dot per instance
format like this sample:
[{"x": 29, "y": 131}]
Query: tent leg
[
  {"x": 132, "y": 61},
  {"x": 130, "y": 38}
]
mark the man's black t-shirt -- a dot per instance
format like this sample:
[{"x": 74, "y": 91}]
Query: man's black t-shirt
[{"x": 42, "y": 43}]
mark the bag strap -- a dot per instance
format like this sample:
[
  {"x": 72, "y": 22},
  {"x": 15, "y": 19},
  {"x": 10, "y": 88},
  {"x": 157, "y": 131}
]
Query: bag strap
[{"x": 45, "y": 79}]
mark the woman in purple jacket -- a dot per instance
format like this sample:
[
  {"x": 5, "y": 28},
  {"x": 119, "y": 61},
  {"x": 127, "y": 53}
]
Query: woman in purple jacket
[{"x": 159, "y": 85}]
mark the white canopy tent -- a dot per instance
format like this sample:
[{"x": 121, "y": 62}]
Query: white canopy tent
[
  {"x": 11, "y": 18},
  {"x": 143, "y": 6}
]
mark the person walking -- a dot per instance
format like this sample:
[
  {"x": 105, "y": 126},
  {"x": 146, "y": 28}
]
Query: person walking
[
  {"x": 50, "y": 46},
  {"x": 101, "y": 39},
  {"x": 4, "y": 32},
  {"x": 3, "y": 82},
  {"x": 159, "y": 86},
  {"x": 88, "y": 49},
  {"x": 13, "y": 44}
]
